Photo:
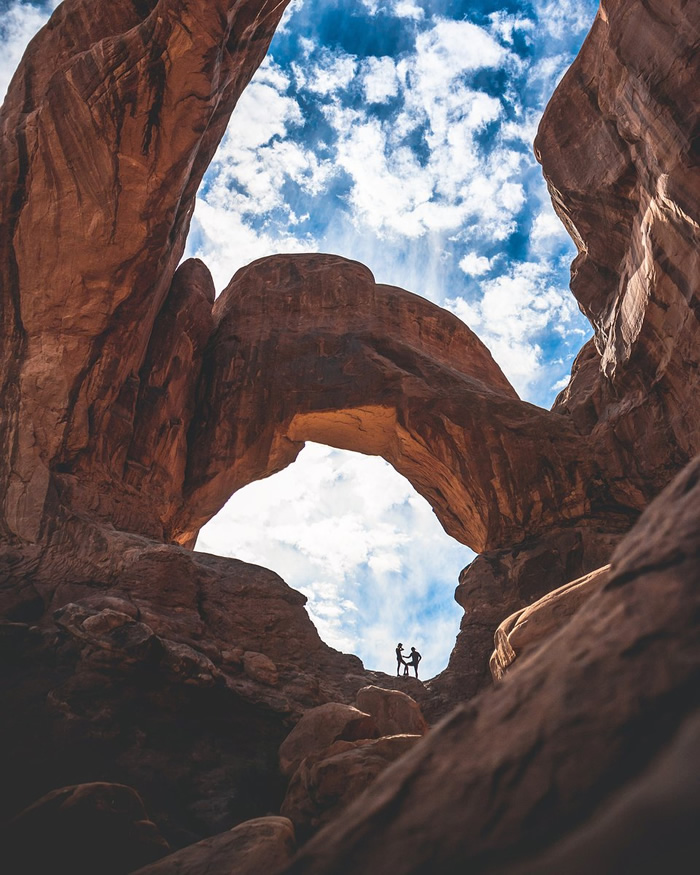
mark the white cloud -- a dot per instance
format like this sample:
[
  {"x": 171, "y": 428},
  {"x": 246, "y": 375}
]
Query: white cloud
[
  {"x": 512, "y": 315},
  {"x": 562, "y": 18},
  {"x": 548, "y": 234},
  {"x": 225, "y": 242},
  {"x": 379, "y": 79},
  {"x": 332, "y": 73},
  {"x": 505, "y": 25},
  {"x": 475, "y": 265},
  {"x": 408, "y": 9}
]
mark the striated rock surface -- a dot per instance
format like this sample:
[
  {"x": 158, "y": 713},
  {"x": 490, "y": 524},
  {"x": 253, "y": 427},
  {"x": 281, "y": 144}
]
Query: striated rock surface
[
  {"x": 526, "y": 629},
  {"x": 499, "y": 583},
  {"x": 106, "y": 131},
  {"x": 264, "y": 845},
  {"x": 618, "y": 146},
  {"x": 132, "y": 406}
]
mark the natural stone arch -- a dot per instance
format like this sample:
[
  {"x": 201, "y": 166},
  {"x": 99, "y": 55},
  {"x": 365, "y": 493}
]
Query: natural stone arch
[{"x": 309, "y": 347}]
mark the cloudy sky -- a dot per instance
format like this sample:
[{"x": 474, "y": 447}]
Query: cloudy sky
[{"x": 397, "y": 133}]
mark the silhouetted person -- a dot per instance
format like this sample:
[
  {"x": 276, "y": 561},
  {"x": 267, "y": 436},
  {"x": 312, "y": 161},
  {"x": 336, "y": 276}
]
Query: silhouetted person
[
  {"x": 400, "y": 661},
  {"x": 413, "y": 660}
]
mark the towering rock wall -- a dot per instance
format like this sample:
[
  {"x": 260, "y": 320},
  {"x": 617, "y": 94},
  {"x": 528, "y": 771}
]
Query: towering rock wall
[
  {"x": 619, "y": 149},
  {"x": 107, "y": 129}
]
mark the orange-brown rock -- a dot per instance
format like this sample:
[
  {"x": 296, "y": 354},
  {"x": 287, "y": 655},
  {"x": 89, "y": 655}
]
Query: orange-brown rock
[
  {"x": 308, "y": 347},
  {"x": 394, "y": 712},
  {"x": 499, "y": 583},
  {"x": 618, "y": 146},
  {"x": 319, "y": 728},
  {"x": 529, "y": 627},
  {"x": 106, "y": 131},
  {"x": 533, "y": 758},
  {"x": 264, "y": 845},
  {"x": 326, "y": 783},
  {"x": 132, "y": 408}
]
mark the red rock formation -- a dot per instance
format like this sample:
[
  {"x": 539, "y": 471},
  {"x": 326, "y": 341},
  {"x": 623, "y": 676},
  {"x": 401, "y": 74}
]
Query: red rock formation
[
  {"x": 106, "y": 131},
  {"x": 618, "y": 146},
  {"x": 83, "y": 829},
  {"x": 528, "y": 628},
  {"x": 263, "y": 845}
]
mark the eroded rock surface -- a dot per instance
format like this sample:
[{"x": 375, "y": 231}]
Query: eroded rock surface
[
  {"x": 326, "y": 782},
  {"x": 264, "y": 845},
  {"x": 528, "y": 628},
  {"x": 393, "y": 711},
  {"x": 618, "y": 146}
]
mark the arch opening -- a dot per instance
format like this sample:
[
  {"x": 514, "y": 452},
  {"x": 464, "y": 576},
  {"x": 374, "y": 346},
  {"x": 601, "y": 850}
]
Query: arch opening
[{"x": 367, "y": 551}]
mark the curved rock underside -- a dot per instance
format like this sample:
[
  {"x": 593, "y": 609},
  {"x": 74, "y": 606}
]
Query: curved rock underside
[{"x": 133, "y": 405}]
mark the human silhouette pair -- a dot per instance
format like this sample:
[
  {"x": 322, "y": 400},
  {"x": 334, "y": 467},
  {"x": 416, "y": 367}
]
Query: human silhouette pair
[{"x": 413, "y": 660}]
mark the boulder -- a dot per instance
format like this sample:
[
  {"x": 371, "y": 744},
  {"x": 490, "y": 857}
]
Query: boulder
[
  {"x": 262, "y": 846},
  {"x": 319, "y": 728},
  {"x": 325, "y": 783},
  {"x": 394, "y": 712}
]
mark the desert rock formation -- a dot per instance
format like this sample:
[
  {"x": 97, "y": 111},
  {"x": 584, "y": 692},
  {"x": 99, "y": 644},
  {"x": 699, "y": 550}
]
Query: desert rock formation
[{"x": 133, "y": 406}]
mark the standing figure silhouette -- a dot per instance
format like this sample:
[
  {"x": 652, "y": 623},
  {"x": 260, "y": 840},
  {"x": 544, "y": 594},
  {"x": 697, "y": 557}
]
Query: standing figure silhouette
[
  {"x": 400, "y": 660},
  {"x": 413, "y": 660}
]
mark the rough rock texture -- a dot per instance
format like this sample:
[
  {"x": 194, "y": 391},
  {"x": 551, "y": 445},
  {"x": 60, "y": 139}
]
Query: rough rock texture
[
  {"x": 127, "y": 397},
  {"x": 647, "y": 828},
  {"x": 106, "y": 131},
  {"x": 325, "y": 783},
  {"x": 264, "y": 845},
  {"x": 143, "y": 666},
  {"x": 529, "y": 627},
  {"x": 618, "y": 145},
  {"x": 394, "y": 712},
  {"x": 319, "y": 728},
  {"x": 82, "y": 829},
  {"x": 501, "y": 582},
  {"x": 535, "y": 757}
]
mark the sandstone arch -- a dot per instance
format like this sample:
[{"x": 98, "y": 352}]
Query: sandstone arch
[{"x": 309, "y": 347}]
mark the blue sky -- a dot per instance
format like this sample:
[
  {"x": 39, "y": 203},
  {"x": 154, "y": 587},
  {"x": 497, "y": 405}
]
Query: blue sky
[{"x": 398, "y": 133}]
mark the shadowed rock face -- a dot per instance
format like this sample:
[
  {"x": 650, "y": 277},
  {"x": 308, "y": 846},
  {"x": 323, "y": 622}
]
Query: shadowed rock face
[{"x": 132, "y": 406}]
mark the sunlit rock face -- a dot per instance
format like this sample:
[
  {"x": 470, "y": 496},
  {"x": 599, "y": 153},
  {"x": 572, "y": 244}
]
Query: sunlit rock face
[
  {"x": 618, "y": 146},
  {"x": 107, "y": 129},
  {"x": 132, "y": 406}
]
